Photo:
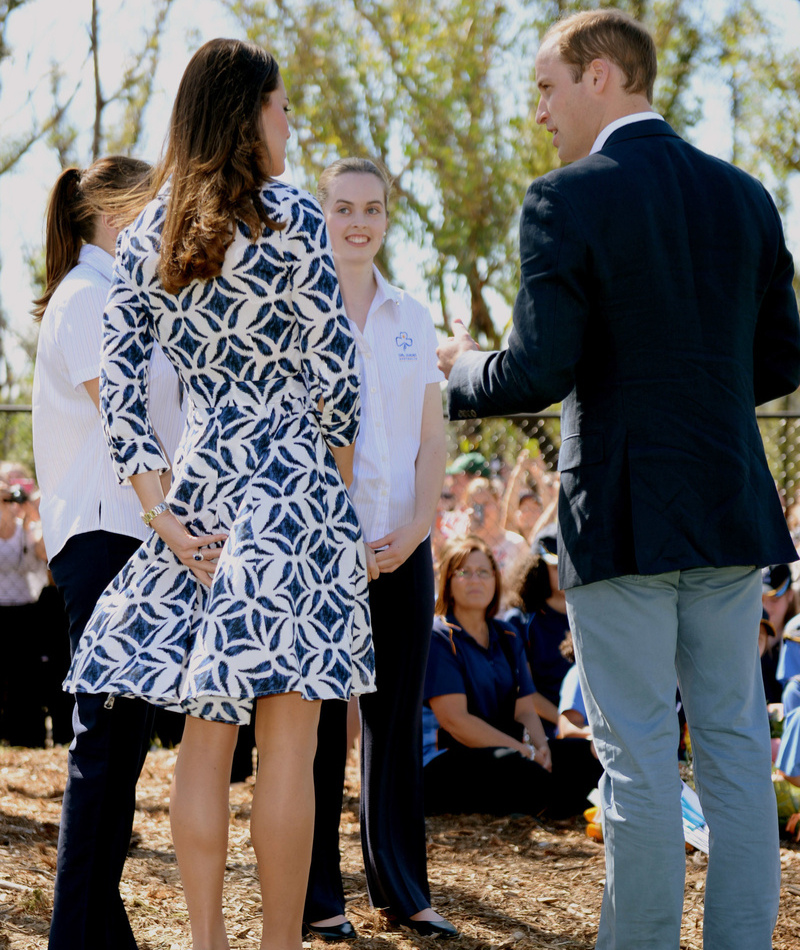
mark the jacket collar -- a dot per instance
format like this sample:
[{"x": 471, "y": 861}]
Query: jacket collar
[{"x": 638, "y": 130}]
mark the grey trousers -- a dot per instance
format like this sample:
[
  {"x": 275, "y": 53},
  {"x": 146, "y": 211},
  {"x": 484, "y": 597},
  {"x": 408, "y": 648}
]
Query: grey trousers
[{"x": 635, "y": 636}]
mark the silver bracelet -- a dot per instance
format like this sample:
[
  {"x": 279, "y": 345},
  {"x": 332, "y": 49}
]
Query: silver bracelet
[{"x": 159, "y": 509}]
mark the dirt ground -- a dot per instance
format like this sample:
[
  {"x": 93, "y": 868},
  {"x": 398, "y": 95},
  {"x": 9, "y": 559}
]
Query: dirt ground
[{"x": 509, "y": 882}]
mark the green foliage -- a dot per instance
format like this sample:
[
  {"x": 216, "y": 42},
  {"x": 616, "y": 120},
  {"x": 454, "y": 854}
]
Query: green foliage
[
  {"x": 117, "y": 124},
  {"x": 16, "y": 438},
  {"x": 133, "y": 91},
  {"x": 428, "y": 96},
  {"x": 447, "y": 102},
  {"x": 445, "y": 97},
  {"x": 763, "y": 75}
]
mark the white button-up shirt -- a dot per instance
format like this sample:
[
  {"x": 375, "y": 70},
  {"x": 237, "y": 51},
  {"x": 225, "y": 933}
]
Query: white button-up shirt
[
  {"x": 397, "y": 360},
  {"x": 79, "y": 487},
  {"x": 612, "y": 127}
]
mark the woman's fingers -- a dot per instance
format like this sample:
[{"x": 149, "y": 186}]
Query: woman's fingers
[
  {"x": 203, "y": 540},
  {"x": 197, "y": 552},
  {"x": 204, "y": 577},
  {"x": 373, "y": 571},
  {"x": 201, "y": 556}
]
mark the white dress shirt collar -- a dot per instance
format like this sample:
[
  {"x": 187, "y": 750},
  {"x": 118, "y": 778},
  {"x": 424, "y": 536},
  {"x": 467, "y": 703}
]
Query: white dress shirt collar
[
  {"x": 384, "y": 292},
  {"x": 98, "y": 260},
  {"x": 602, "y": 138}
]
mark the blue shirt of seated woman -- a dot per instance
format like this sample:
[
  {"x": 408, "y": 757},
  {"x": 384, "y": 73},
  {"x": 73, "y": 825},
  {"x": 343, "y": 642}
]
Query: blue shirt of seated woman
[{"x": 492, "y": 677}]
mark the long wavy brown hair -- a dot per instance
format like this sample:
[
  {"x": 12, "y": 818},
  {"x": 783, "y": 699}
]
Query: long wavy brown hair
[
  {"x": 115, "y": 185},
  {"x": 216, "y": 159}
]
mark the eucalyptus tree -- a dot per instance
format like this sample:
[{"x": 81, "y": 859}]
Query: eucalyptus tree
[{"x": 444, "y": 95}]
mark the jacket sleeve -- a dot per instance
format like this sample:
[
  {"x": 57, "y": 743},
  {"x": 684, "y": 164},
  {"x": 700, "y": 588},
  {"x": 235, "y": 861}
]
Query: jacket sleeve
[
  {"x": 550, "y": 312},
  {"x": 776, "y": 346}
]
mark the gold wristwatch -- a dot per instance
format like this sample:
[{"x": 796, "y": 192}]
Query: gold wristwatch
[{"x": 160, "y": 508}]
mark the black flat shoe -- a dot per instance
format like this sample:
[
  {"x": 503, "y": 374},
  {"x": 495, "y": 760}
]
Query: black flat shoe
[
  {"x": 332, "y": 933},
  {"x": 426, "y": 928}
]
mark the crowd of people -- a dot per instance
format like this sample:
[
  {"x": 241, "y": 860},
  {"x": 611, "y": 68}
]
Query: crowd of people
[
  {"x": 33, "y": 707},
  {"x": 246, "y": 510}
]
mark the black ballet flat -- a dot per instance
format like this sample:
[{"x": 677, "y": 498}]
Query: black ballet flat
[
  {"x": 425, "y": 928},
  {"x": 332, "y": 933}
]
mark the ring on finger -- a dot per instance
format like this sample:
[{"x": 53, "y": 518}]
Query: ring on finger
[{"x": 198, "y": 556}]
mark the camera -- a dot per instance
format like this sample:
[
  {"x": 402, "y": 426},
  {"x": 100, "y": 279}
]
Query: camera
[{"x": 16, "y": 495}]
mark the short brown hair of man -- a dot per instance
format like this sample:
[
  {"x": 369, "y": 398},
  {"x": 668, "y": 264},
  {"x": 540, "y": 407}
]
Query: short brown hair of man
[{"x": 608, "y": 34}]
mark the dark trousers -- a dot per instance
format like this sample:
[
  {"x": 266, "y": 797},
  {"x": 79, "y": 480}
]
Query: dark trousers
[
  {"x": 35, "y": 662},
  {"x": 500, "y": 781},
  {"x": 392, "y": 814},
  {"x": 21, "y": 694},
  {"x": 105, "y": 760}
]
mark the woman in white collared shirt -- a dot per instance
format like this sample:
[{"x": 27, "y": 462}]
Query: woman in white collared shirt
[
  {"x": 91, "y": 526},
  {"x": 399, "y": 468}
]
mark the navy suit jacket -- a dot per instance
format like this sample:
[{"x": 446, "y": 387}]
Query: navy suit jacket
[{"x": 656, "y": 301}]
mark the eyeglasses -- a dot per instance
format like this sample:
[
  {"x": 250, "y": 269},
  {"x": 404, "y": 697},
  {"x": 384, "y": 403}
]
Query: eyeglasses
[{"x": 466, "y": 574}]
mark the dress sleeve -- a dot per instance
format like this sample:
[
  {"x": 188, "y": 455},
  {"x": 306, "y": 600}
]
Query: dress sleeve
[
  {"x": 124, "y": 371},
  {"x": 328, "y": 350}
]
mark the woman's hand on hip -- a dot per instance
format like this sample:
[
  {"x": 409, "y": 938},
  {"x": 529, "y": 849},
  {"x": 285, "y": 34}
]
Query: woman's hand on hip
[{"x": 192, "y": 551}]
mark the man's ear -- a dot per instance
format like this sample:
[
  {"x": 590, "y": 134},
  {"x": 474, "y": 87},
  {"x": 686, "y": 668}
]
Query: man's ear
[{"x": 599, "y": 74}]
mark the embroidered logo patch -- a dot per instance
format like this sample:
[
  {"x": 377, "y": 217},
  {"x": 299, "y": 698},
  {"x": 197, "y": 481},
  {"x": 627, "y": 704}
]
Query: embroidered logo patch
[{"x": 403, "y": 342}]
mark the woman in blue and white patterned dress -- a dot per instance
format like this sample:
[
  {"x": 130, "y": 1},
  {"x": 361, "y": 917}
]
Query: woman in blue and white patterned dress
[{"x": 253, "y": 587}]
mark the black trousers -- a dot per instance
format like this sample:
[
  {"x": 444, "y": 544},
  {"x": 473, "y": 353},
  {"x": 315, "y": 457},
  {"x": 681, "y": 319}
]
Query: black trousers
[
  {"x": 499, "y": 781},
  {"x": 22, "y": 696},
  {"x": 392, "y": 812},
  {"x": 105, "y": 760}
]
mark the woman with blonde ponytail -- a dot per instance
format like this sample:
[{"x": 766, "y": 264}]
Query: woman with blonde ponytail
[{"x": 91, "y": 526}]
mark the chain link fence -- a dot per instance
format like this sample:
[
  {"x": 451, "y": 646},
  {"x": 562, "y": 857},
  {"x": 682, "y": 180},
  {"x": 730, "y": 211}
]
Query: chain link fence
[{"x": 500, "y": 441}]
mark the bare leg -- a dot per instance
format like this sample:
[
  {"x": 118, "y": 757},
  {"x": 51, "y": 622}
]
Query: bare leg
[
  {"x": 282, "y": 822},
  {"x": 199, "y": 817},
  {"x": 353, "y": 724}
]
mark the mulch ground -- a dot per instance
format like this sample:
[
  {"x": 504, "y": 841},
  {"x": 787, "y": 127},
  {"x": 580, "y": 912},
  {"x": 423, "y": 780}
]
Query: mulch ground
[{"x": 510, "y": 882}]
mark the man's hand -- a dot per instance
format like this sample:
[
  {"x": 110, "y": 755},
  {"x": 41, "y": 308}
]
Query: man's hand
[{"x": 449, "y": 351}]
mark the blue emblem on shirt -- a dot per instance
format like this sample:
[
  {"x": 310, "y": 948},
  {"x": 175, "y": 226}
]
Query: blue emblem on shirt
[{"x": 404, "y": 340}]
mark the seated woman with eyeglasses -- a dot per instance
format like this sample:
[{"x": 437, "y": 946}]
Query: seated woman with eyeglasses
[{"x": 484, "y": 748}]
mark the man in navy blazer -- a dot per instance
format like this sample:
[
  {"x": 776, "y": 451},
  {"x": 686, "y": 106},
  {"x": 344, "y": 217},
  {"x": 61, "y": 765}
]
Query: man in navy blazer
[{"x": 656, "y": 301}]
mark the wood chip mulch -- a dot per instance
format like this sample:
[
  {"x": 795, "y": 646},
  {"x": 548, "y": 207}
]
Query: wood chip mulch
[{"x": 508, "y": 882}]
